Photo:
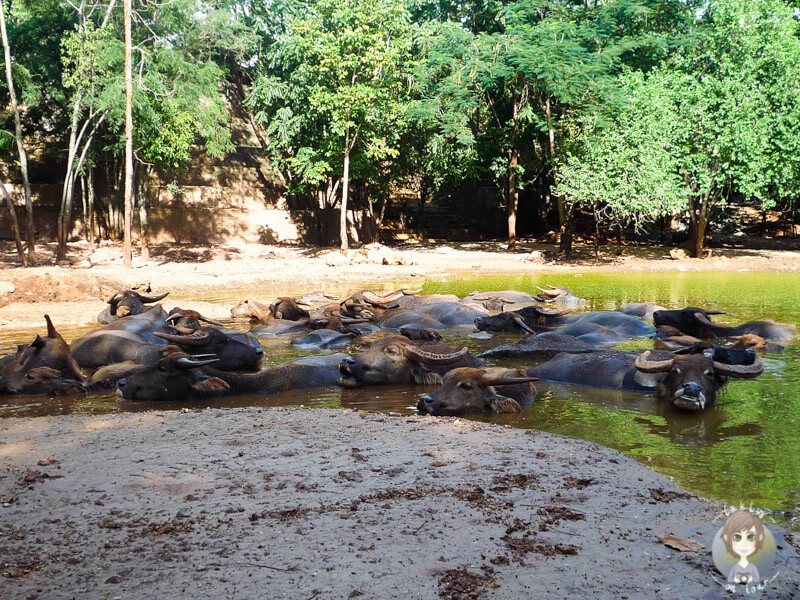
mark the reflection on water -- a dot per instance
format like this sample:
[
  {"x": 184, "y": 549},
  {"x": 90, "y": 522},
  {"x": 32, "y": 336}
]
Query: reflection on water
[{"x": 746, "y": 449}]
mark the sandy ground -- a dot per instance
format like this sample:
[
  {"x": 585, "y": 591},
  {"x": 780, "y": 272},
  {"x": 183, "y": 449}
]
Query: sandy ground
[
  {"x": 300, "y": 504},
  {"x": 79, "y": 288}
]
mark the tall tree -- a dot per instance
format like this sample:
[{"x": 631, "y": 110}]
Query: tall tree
[
  {"x": 127, "y": 254},
  {"x": 333, "y": 90},
  {"x": 23, "y": 156}
]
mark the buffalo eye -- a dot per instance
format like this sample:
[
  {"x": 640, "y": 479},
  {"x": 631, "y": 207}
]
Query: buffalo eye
[
  {"x": 708, "y": 373},
  {"x": 391, "y": 350},
  {"x": 29, "y": 377},
  {"x": 676, "y": 371},
  {"x": 162, "y": 368},
  {"x": 465, "y": 385}
]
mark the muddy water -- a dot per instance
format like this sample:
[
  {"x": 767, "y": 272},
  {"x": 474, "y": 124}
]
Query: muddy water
[{"x": 744, "y": 450}]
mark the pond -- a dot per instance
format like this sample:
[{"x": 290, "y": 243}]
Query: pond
[{"x": 745, "y": 450}]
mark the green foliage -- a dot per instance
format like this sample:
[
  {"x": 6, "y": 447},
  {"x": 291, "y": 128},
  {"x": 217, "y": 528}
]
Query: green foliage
[{"x": 334, "y": 81}]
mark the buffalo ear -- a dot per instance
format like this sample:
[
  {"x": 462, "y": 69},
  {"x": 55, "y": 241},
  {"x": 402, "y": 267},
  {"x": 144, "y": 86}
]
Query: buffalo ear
[
  {"x": 123, "y": 311},
  {"x": 212, "y": 384},
  {"x": 428, "y": 378},
  {"x": 504, "y": 405},
  {"x": 37, "y": 342},
  {"x": 74, "y": 388}
]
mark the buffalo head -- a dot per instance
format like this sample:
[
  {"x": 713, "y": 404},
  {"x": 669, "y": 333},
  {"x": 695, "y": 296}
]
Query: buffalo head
[
  {"x": 525, "y": 320},
  {"x": 39, "y": 380},
  {"x": 49, "y": 351},
  {"x": 187, "y": 319},
  {"x": 175, "y": 377},
  {"x": 398, "y": 360},
  {"x": 233, "y": 355},
  {"x": 691, "y": 381},
  {"x": 126, "y": 303},
  {"x": 289, "y": 309},
  {"x": 469, "y": 390}
]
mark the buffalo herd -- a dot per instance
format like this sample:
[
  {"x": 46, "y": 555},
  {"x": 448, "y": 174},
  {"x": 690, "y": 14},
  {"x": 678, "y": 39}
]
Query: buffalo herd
[{"x": 145, "y": 353}]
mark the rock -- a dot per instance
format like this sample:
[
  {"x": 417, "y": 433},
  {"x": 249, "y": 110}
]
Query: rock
[
  {"x": 678, "y": 254},
  {"x": 6, "y": 287},
  {"x": 536, "y": 256}
]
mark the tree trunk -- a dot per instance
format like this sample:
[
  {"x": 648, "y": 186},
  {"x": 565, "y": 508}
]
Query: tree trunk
[
  {"x": 512, "y": 197},
  {"x": 23, "y": 156},
  {"x": 127, "y": 254},
  {"x": 90, "y": 202},
  {"x": 564, "y": 212},
  {"x": 596, "y": 238},
  {"x": 14, "y": 223},
  {"x": 345, "y": 185},
  {"x": 144, "y": 232}
]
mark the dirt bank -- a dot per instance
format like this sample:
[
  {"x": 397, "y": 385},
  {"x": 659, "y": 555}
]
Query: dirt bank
[
  {"x": 294, "y": 503},
  {"x": 203, "y": 273}
]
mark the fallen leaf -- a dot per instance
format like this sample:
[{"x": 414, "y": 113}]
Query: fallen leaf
[{"x": 682, "y": 544}]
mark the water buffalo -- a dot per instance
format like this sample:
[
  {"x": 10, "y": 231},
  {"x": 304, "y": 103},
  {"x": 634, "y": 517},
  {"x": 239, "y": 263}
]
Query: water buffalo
[
  {"x": 396, "y": 318},
  {"x": 539, "y": 347},
  {"x": 49, "y": 351},
  {"x": 397, "y": 360},
  {"x": 420, "y": 335},
  {"x": 525, "y": 320},
  {"x": 559, "y": 295},
  {"x": 696, "y": 322},
  {"x": 366, "y": 303},
  {"x": 756, "y": 343},
  {"x": 324, "y": 338},
  {"x": 233, "y": 354},
  {"x": 451, "y": 313},
  {"x": 288, "y": 308},
  {"x": 39, "y": 380},
  {"x": 126, "y": 303},
  {"x": 688, "y": 382},
  {"x": 105, "y": 347},
  {"x": 188, "y": 319},
  {"x": 145, "y": 324},
  {"x": 640, "y": 310},
  {"x": 672, "y": 338},
  {"x": 253, "y": 310},
  {"x": 180, "y": 377},
  {"x": 471, "y": 390},
  {"x": 498, "y": 300}
]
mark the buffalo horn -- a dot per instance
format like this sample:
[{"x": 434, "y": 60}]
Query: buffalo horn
[
  {"x": 552, "y": 292},
  {"x": 378, "y": 299},
  {"x": 740, "y": 371},
  {"x": 429, "y": 358},
  {"x": 51, "y": 331},
  {"x": 186, "y": 362},
  {"x": 198, "y": 338},
  {"x": 499, "y": 380},
  {"x": 149, "y": 299},
  {"x": 210, "y": 321},
  {"x": 706, "y": 321},
  {"x": 645, "y": 365},
  {"x": 521, "y": 322},
  {"x": 115, "y": 299},
  {"x": 182, "y": 330}
]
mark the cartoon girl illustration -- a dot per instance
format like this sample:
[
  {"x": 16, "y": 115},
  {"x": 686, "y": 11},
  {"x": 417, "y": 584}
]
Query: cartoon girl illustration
[{"x": 743, "y": 535}]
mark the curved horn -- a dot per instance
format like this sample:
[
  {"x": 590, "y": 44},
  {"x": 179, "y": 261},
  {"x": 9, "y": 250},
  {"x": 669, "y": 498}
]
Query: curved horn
[
  {"x": 185, "y": 362},
  {"x": 210, "y": 321},
  {"x": 51, "y": 331},
  {"x": 521, "y": 322},
  {"x": 149, "y": 299},
  {"x": 499, "y": 380},
  {"x": 429, "y": 358},
  {"x": 182, "y": 330},
  {"x": 115, "y": 298},
  {"x": 198, "y": 338},
  {"x": 374, "y": 298},
  {"x": 645, "y": 365},
  {"x": 700, "y": 317},
  {"x": 552, "y": 292},
  {"x": 740, "y": 371}
]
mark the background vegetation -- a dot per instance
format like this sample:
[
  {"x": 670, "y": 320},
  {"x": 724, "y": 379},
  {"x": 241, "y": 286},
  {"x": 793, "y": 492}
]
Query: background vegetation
[{"x": 637, "y": 113}]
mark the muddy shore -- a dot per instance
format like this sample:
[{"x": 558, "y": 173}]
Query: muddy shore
[{"x": 300, "y": 503}]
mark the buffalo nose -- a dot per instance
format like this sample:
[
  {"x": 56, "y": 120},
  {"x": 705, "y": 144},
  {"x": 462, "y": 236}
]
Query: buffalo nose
[
  {"x": 426, "y": 399},
  {"x": 259, "y": 352},
  {"x": 350, "y": 361},
  {"x": 692, "y": 389},
  {"x": 121, "y": 383}
]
